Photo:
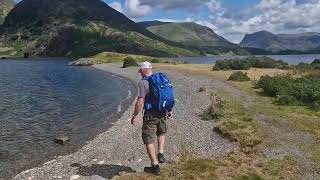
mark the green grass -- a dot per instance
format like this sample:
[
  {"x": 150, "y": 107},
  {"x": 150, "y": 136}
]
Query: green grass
[
  {"x": 239, "y": 124},
  {"x": 93, "y": 38},
  {"x": 235, "y": 166},
  {"x": 111, "y": 57}
]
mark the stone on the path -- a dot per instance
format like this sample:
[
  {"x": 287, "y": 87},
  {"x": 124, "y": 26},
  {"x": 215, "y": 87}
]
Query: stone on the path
[
  {"x": 74, "y": 177},
  {"x": 101, "y": 162},
  {"x": 122, "y": 173},
  {"x": 62, "y": 140}
]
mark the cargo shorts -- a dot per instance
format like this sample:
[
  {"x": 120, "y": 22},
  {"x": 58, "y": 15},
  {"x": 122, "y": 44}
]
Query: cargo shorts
[{"x": 154, "y": 125}]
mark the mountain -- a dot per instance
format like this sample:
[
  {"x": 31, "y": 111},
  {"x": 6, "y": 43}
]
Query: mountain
[
  {"x": 275, "y": 43},
  {"x": 192, "y": 35},
  {"x": 79, "y": 28},
  {"x": 5, "y": 7},
  {"x": 147, "y": 24}
]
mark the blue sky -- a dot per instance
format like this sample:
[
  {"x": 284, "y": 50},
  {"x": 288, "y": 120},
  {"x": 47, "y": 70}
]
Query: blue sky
[{"x": 231, "y": 19}]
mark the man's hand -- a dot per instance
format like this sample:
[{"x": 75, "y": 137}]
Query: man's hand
[
  {"x": 138, "y": 108},
  {"x": 169, "y": 115},
  {"x": 134, "y": 120}
]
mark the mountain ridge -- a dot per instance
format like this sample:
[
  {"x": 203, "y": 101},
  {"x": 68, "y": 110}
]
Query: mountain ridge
[
  {"x": 5, "y": 7},
  {"x": 300, "y": 42},
  {"x": 193, "y": 35},
  {"x": 79, "y": 28}
]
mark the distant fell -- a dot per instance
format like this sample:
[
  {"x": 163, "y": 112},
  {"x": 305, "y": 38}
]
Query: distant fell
[
  {"x": 192, "y": 35},
  {"x": 5, "y": 7},
  {"x": 302, "y": 42}
]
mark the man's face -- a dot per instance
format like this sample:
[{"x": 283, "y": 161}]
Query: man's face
[{"x": 144, "y": 72}]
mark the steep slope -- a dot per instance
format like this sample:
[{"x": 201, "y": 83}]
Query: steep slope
[
  {"x": 282, "y": 42},
  {"x": 192, "y": 35},
  {"x": 78, "y": 28},
  {"x": 5, "y": 7},
  {"x": 187, "y": 33}
]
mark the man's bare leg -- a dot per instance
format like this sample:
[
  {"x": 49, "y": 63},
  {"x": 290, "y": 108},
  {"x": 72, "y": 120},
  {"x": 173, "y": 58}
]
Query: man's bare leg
[
  {"x": 161, "y": 143},
  {"x": 152, "y": 154}
]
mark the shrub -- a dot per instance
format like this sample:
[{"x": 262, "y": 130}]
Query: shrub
[
  {"x": 239, "y": 76},
  {"x": 247, "y": 63},
  {"x": 316, "y": 62},
  {"x": 215, "y": 68},
  {"x": 216, "y": 109},
  {"x": 129, "y": 61},
  {"x": 202, "y": 89},
  {"x": 155, "y": 60},
  {"x": 287, "y": 90},
  {"x": 235, "y": 64}
]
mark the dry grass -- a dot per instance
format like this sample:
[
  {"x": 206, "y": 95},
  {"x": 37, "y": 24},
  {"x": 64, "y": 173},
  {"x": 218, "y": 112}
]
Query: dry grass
[
  {"x": 234, "y": 166},
  {"x": 239, "y": 125},
  {"x": 205, "y": 69}
]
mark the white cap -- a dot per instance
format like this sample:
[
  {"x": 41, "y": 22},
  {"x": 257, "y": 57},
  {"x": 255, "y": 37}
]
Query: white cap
[{"x": 145, "y": 65}]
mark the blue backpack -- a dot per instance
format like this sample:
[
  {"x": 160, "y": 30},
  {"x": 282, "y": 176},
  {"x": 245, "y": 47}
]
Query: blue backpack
[{"x": 161, "y": 96}]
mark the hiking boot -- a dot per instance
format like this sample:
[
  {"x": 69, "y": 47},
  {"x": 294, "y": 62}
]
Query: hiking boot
[
  {"x": 154, "y": 169},
  {"x": 161, "y": 158}
]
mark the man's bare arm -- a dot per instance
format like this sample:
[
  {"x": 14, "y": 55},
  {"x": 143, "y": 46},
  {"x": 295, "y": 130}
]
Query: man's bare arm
[
  {"x": 139, "y": 106},
  {"x": 137, "y": 109}
]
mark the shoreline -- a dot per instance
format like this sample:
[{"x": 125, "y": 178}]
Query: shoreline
[
  {"x": 108, "y": 121},
  {"x": 120, "y": 148}
]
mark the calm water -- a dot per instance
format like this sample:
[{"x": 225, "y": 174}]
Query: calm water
[
  {"x": 291, "y": 59},
  {"x": 41, "y": 100}
]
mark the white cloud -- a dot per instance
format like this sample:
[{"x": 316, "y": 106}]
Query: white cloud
[
  {"x": 135, "y": 9},
  {"x": 214, "y": 5},
  {"x": 277, "y": 16},
  {"x": 117, "y": 6}
]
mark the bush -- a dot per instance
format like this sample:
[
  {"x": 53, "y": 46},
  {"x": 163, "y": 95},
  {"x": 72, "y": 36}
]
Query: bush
[
  {"x": 129, "y": 61},
  {"x": 234, "y": 64},
  {"x": 287, "y": 90},
  {"x": 247, "y": 63},
  {"x": 316, "y": 62},
  {"x": 216, "y": 109},
  {"x": 202, "y": 89},
  {"x": 155, "y": 60},
  {"x": 239, "y": 76}
]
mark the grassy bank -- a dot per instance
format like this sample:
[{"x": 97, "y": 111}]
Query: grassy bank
[
  {"x": 302, "y": 120},
  {"x": 234, "y": 166}
]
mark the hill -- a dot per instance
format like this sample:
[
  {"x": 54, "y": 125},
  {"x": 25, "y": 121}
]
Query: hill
[
  {"x": 5, "y": 7},
  {"x": 79, "y": 28},
  {"x": 192, "y": 35},
  {"x": 302, "y": 42}
]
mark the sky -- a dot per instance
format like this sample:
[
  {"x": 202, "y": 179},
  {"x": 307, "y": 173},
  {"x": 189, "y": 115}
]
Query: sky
[{"x": 231, "y": 19}]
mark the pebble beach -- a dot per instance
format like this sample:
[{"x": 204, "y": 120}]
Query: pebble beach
[{"x": 120, "y": 149}]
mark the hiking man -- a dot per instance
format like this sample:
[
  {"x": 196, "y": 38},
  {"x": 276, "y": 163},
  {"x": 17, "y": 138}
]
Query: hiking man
[{"x": 155, "y": 96}]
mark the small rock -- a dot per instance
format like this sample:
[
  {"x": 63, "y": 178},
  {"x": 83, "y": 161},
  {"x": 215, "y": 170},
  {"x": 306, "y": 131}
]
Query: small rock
[
  {"x": 94, "y": 160},
  {"x": 139, "y": 160},
  {"x": 62, "y": 140},
  {"x": 101, "y": 162},
  {"x": 122, "y": 173},
  {"x": 29, "y": 178},
  {"x": 74, "y": 177}
]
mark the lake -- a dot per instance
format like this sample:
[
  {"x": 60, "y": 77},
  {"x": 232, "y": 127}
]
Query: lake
[
  {"x": 43, "y": 99},
  {"x": 291, "y": 59}
]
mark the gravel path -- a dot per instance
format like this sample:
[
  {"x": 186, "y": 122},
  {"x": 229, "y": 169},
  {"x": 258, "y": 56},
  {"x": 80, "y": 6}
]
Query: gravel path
[{"x": 120, "y": 149}]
